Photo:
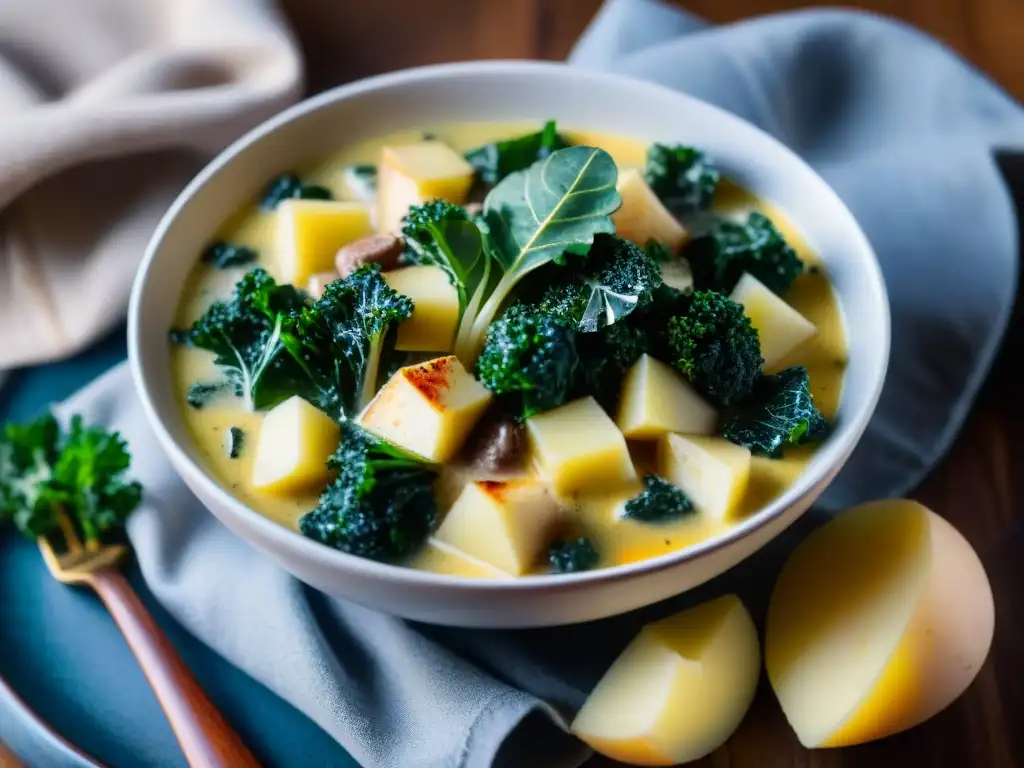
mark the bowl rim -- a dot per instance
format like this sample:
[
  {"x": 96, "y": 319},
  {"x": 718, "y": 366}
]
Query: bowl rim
[{"x": 327, "y": 557}]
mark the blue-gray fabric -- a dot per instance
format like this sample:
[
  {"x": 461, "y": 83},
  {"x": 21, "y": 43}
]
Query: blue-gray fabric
[{"x": 905, "y": 131}]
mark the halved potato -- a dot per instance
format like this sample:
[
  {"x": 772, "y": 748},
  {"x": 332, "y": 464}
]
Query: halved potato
[
  {"x": 679, "y": 690},
  {"x": 878, "y": 621}
]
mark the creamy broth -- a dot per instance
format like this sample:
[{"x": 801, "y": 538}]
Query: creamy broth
[{"x": 619, "y": 541}]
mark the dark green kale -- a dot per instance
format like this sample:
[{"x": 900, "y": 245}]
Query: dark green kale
[
  {"x": 720, "y": 258},
  {"x": 682, "y": 177},
  {"x": 573, "y": 556},
  {"x": 658, "y": 502},
  {"x": 201, "y": 393},
  {"x": 605, "y": 357},
  {"x": 47, "y": 474},
  {"x": 496, "y": 160},
  {"x": 381, "y": 505},
  {"x": 289, "y": 186},
  {"x": 235, "y": 442},
  {"x": 599, "y": 289},
  {"x": 779, "y": 412},
  {"x": 715, "y": 346},
  {"x": 245, "y": 335},
  {"x": 530, "y": 357},
  {"x": 222, "y": 255},
  {"x": 339, "y": 340}
]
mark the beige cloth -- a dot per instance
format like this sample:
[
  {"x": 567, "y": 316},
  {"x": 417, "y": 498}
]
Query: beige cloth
[{"x": 107, "y": 109}]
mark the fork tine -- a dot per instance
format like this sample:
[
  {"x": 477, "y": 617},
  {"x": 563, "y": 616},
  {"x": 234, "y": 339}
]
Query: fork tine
[
  {"x": 72, "y": 543},
  {"x": 49, "y": 556}
]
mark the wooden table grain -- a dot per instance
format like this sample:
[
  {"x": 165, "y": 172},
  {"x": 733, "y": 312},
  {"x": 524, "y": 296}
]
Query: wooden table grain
[{"x": 975, "y": 487}]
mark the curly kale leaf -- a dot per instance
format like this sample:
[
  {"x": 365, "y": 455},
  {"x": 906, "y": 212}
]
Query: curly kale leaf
[
  {"x": 529, "y": 356},
  {"x": 682, "y": 177},
  {"x": 289, "y": 186},
  {"x": 27, "y": 455},
  {"x": 720, "y": 258},
  {"x": 223, "y": 255},
  {"x": 88, "y": 480},
  {"x": 338, "y": 341},
  {"x": 573, "y": 556},
  {"x": 780, "y": 412},
  {"x": 658, "y": 502},
  {"x": 245, "y": 335},
  {"x": 496, "y": 160},
  {"x": 594, "y": 291},
  {"x": 80, "y": 474},
  {"x": 381, "y": 505},
  {"x": 715, "y": 346}
]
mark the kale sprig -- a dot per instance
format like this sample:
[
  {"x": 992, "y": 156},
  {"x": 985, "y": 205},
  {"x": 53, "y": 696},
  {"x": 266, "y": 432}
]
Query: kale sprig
[
  {"x": 80, "y": 473},
  {"x": 780, "y": 412},
  {"x": 244, "y": 333},
  {"x": 380, "y": 506},
  {"x": 658, "y": 502},
  {"x": 531, "y": 357},
  {"x": 720, "y": 258}
]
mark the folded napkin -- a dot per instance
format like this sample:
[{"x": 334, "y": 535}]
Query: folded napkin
[
  {"x": 107, "y": 109},
  {"x": 906, "y": 132}
]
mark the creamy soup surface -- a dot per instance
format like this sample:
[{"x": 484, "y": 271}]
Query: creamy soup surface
[{"x": 618, "y": 540}]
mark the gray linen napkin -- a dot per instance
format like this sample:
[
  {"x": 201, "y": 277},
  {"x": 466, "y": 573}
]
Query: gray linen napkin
[{"x": 905, "y": 131}]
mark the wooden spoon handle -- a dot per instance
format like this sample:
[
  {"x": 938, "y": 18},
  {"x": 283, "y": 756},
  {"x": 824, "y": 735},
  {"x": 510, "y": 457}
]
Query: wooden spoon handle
[
  {"x": 205, "y": 736},
  {"x": 7, "y": 758}
]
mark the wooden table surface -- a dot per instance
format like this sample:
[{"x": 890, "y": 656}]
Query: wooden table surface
[{"x": 977, "y": 485}]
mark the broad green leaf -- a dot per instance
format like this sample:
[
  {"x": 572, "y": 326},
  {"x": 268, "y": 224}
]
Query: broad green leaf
[{"x": 556, "y": 205}]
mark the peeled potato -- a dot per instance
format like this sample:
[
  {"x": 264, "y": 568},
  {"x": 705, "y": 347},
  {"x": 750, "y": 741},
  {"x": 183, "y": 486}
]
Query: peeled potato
[
  {"x": 879, "y": 620},
  {"x": 679, "y": 690}
]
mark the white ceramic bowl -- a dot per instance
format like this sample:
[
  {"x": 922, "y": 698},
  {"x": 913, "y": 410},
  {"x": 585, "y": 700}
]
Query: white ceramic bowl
[{"x": 507, "y": 91}]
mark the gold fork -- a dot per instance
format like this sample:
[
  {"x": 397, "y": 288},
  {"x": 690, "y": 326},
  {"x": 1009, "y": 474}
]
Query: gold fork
[{"x": 204, "y": 735}]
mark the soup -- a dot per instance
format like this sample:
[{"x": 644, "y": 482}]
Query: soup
[{"x": 590, "y": 352}]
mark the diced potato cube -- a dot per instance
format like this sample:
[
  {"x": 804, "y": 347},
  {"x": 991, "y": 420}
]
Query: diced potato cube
[
  {"x": 642, "y": 217},
  {"x": 435, "y": 314},
  {"x": 679, "y": 689},
  {"x": 507, "y": 524},
  {"x": 780, "y": 327},
  {"x": 878, "y": 621},
  {"x": 655, "y": 400},
  {"x": 429, "y": 408},
  {"x": 295, "y": 441},
  {"x": 412, "y": 174},
  {"x": 580, "y": 450},
  {"x": 440, "y": 557},
  {"x": 712, "y": 471},
  {"x": 310, "y": 232}
]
